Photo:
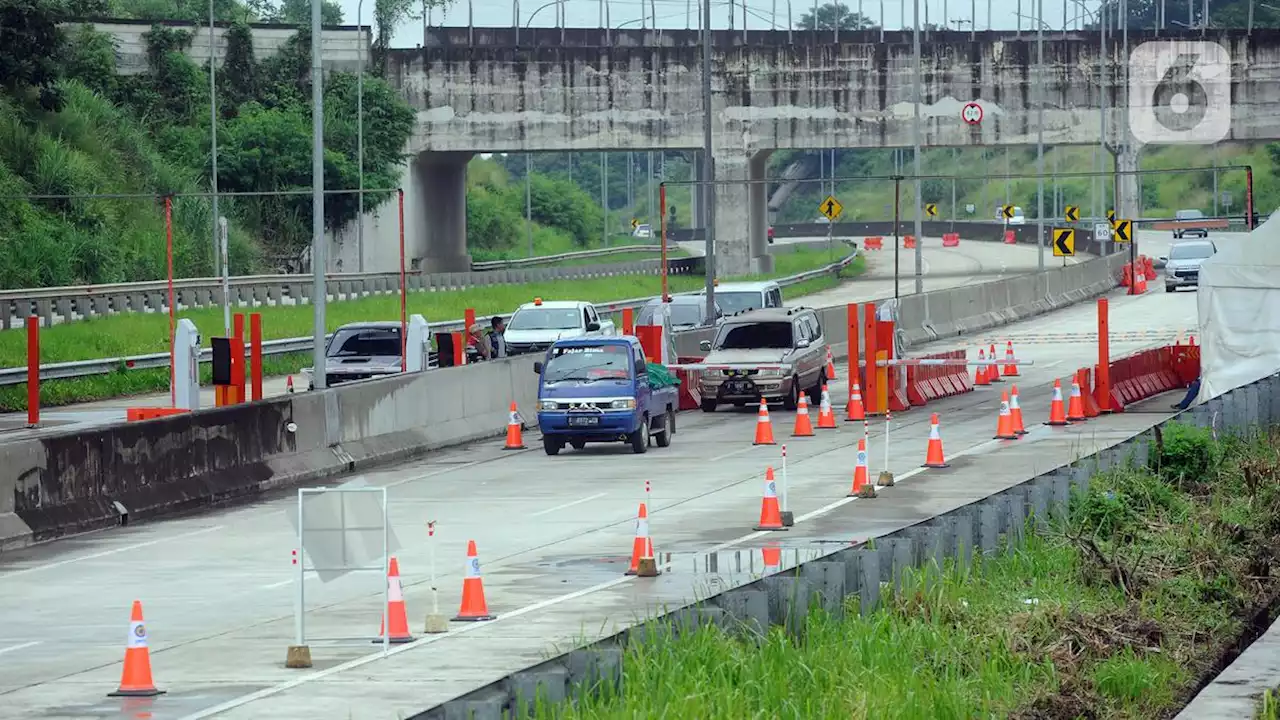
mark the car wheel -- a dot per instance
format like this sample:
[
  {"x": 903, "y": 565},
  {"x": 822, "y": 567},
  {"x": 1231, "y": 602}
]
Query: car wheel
[
  {"x": 1169, "y": 288},
  {"x": 578, "y": 444},
  {"x": 708, "y": 405},
  {"x": 552, "y": 445},
  {"x": 793, "y": 397},
  {"x": 815, "y": 392},
  {"x": 639, "y": 439},
  {"x": 664, "y": 432}
]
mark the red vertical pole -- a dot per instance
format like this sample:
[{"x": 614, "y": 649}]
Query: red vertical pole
[
  {"x": 168, "y": 236},
  {"x": 404, "y": 312},
  {"x": 237, "y": 324},
  {"x": 662, "y": 211},
  {"x": 1102, "y": 389},
  {"x": 869, "y": 393},
  {"x": 628, "y": 321},
  {"x": 1248, "y": 197},
  {"x": 468, "y": 319},
  {"x": 459, "y": 348},
  {"x": 855, "y": 346},
  {"x": 255, "y": 354},
  {"x": 33, "y": 371}
]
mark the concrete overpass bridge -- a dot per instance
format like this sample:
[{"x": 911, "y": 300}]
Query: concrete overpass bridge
[{"x": 529, "y": 90}]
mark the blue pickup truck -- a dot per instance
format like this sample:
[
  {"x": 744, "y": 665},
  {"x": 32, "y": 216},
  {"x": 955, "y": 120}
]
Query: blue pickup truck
[{"x": 599, "y": 390}]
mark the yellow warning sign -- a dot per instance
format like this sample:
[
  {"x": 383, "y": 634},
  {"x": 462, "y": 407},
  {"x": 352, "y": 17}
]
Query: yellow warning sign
[
  {"x": 1064, "y": 242},
  {"x": 831, "y": 208}
]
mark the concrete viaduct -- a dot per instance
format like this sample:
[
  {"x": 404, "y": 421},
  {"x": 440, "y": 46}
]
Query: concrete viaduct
[{"x": 528, "y": 90}]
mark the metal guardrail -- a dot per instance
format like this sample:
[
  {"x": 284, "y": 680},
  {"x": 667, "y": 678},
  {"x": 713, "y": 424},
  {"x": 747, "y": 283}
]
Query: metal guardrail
[
  {"x": 550, "y": 259},
  {"x": 104, "y": 366}
]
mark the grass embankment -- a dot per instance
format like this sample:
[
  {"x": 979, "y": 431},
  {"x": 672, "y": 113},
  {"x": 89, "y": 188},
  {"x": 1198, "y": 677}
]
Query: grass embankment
[
  {"x": 138, "y": 334},
  {"x": 1119, "y": 613},
  {"x": 1269, "y": 706}
]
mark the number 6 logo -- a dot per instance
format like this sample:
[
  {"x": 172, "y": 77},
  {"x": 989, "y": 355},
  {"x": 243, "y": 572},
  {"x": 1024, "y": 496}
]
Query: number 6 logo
[{"x": 972, "y": 113}]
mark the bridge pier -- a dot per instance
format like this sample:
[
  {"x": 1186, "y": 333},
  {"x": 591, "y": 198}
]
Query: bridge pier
[
  {"x": 1129, "y": 187},
  {"x": 441, "y": 179},
  {"x": 742, "y": 217}
]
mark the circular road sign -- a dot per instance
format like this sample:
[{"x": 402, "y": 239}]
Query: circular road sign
[{"x": 972, "y": 113}]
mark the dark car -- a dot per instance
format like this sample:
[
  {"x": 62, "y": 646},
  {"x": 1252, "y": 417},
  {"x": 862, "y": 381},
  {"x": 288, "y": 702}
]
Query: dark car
[{"x": 1187, "y": 225}]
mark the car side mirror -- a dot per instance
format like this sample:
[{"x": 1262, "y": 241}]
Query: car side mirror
[
  {"x": 537, "y": 367},
  {"x": 593, "y": 326},
  {"x": 705, "y": 346},
  {"x": 802, "y": 343},
  {"x": 1163, "y": 259}
]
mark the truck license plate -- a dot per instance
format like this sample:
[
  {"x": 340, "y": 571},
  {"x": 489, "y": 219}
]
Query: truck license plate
[
  {"x": 741, "y": 387},
  {"x": 583, "y": 421}
]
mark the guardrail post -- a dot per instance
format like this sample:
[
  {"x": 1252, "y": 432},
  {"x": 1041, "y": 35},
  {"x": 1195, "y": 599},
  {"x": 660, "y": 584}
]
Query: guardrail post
[
  {"x": 255, "y": 354},
  {"x": 33, "y": 371}
]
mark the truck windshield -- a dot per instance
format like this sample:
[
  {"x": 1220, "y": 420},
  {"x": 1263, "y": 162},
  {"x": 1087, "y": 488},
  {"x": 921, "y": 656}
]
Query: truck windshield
[
  {"x": 365, "y": 342},
  {"x": 546, "y": 319},
  {"x": 1191, "y": 251},
  {"x": 754, "y": 336},
  {"x": 733, "y": 302},
  {"x": 588, "y": 363}
]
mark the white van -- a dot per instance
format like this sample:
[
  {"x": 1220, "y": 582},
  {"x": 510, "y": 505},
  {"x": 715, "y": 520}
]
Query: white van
[{"x": 735, "y": 297}]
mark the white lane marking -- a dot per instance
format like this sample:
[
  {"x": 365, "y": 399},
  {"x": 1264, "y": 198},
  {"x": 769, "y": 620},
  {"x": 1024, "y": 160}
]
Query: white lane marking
[
  {"x": 1055, "y": 363},
  {"x": 105, "y": 553},
  {"x": 365, "y": 660},
  {"x": 13, "y": 648},
  {"x": 273, "y": 586},
  {"x": 568, "y": 505},
  {"x": 728, "y": 455},
  {"x": 442, "y": 471}
]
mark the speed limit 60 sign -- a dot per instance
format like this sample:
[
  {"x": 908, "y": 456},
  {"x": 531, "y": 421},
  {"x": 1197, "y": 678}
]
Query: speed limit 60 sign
[{"x": 972, "y": 113}]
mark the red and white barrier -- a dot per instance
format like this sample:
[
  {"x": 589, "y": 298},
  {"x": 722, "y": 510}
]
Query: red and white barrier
[{"x": 951, "y": 239}]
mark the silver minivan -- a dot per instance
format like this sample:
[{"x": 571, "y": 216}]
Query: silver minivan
[{"x": 1182, "y": 267}]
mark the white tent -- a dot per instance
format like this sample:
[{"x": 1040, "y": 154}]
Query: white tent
[{"x": 1239, "y": 309}]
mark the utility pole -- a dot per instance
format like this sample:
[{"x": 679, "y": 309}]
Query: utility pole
[
  {"x": 319, "y": 253},
  {"x": 915, "y": 142},
  {"x": 708, "y": 161}
]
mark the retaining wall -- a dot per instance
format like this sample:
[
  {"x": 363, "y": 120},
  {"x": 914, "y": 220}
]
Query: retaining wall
[{"x": 989, "y": 526}]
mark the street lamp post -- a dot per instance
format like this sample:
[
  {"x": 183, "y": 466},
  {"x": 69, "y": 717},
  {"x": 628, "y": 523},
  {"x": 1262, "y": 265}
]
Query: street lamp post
[
  {"x": 213, "y": 147},
  {"x": 915, "y": 141},
  {"x": 360, "y": 130},
  {"x": 318, "y": 250},
  {"x": 708, "y": 161},
  {"x": 1040, "y": 133}
]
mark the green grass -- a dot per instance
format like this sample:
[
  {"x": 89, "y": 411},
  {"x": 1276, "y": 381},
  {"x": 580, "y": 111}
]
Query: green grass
[
  {"x": 1269, "y": 705},
  {"x": 1115, "y": 614}
]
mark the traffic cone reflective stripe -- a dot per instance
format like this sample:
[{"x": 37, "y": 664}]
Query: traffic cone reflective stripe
[
  {"x": 980, "y": 377},
  {"x": 772, "y": 557},
  {"x": 826, "y": 416},
  {"x": 933, "y": 455},
  {"x": 803, "y": 428},
  {"x": 1075, "y": 407},
  {"x": 642, "y": 546},
  {"x": 1010, "y": 368},
  {"x": 860, "y": 476},
  {"x": 135, "y": 678},
  {"x": 515, "y": 440},
  {"x": 855, "y": 411},
  {"x": 395, "y": 608},
  {"x": 764, "y": 427},
  {"x": 770, "y": 513},
  {"x": 1057, "y": 410},
  {"x": 1004, "y": 427},
  {"x": 831, "y": 366},
  {"x": 288, "y": 384},
  {"x": 473, "y": 607},
  {"x": 1015, "y": 410},
  {"x": 993, "y": 370}
]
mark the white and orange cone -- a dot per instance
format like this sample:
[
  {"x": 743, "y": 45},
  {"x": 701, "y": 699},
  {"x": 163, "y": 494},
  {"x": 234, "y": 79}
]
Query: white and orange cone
[
  {"x": 770, "y": 513},
  {"x": 1004, "y": 427},
  {"x": 803, "y": 427},
  {"x": 860, "y": 474},
  {"x": 831, "y": 366},
  {"x": 980, "y": 377},
  {"x": 855, "y": 412},
  {"x": 135, "y": 679},
  {"x": 826, "y": 416},
  {"x": 1075, "y": 406},
  {"x": 1010, "y": 367},
  {"x": 1015, "y": 410},
  {"x": 993, "y": 370},
  {"x": 772, "y": 557},
  {"x": 474, "y": 608},
  {"x": 642, "y": 546},
  {"x": 515, "y": 440},
  {"x": 764, "y": 426},
  {"x": 933, "y": 457},
  {"x": 395, "y": 608},
  {"x": 1057, "y": 411}
]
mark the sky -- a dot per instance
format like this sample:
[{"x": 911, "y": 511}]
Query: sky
[{"x": 761, "y": 14}]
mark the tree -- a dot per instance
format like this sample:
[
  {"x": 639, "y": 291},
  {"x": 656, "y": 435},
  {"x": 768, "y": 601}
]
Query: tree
[
  {"x": 298, "y": 12},
  {"x": 387, "y": 15},
  {"x": 832, "y": 16},
  {"x": 30, "y": 40},
  {"x": 238, "y": 77}
]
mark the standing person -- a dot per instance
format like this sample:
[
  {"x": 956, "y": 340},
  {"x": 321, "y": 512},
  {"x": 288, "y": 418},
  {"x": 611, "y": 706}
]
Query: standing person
[
  {"x": 476, "y": 343},
  {"x": 497, "y": 344}
]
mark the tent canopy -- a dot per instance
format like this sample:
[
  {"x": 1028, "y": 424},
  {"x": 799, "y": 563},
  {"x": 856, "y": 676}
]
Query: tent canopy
[{"x": 1238, "y": 305}]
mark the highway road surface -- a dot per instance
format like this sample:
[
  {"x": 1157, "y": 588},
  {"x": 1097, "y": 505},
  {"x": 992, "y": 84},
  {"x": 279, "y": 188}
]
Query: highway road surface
[{"x": 553, "y": 534}]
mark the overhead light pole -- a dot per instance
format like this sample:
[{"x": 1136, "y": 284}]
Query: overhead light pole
[
  {"x": 708, "y": 161},
  {"x": 218, "y": 258},
  {"x": 360, "y": 130},
  {"x": 319, "y": 260},
  {"x": 915, "y": 141},
  {"x": 1040, "y": 133}
]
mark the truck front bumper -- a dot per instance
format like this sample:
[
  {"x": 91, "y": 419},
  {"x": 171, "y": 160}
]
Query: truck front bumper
[
  {"x": 725, "y": 391},
  {"x": 603, "y": 425}
]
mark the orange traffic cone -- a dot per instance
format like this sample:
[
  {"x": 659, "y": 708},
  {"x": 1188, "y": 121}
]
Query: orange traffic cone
[
  {"x": 135, "y": 680},
  {"x": 474, "y": 608},
  {"x": 860, "y": 476},
  {"x": 515, "y": 440},
  {"x": 288, "y": 384},
  {"x": 395, "y": 608},
  {"x": 826, "y": 416},
  {"x": 1057, "y": 411},
  {"x": 764, "y": 427},
  {"x": 772, "y": 557},
  {"x": 770, "y": 514},
  {"x": 642, "y": 546},
  {"x": 1075, "y": 407},
  {"x": 1010, "y": 368},
  {"x": 1015, "y": 410},
  {"x": 831, "y": 366},
  {"x": 993, "y": 370},
  {"x": 933, "y": 457},
  {"x": 855, "y": 411},
  {"x": 1004, "y": 428},
  {"x": 980, "y": 377},
  {"x": 803, "y": 428}
]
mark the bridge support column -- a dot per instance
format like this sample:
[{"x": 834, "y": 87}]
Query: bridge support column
[
  {"x": 758, "y": 207},
  {"x": 742, "y": 222},
  {"x": 1128, "y": 187},
  {"x": 442, "y": 176}
]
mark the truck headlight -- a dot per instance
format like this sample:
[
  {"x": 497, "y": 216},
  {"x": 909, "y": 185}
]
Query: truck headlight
[
  {"x": 547, "y": 404},
  {"x": 627, "y": 404}
]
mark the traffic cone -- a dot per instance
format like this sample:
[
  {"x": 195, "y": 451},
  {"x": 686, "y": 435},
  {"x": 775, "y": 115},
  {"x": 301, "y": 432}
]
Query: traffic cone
[
  {"x": 803, "y": 428},
  {"x": 1091, "y": 409},
  {"x": 770, "y": 514},
  {"x": 860, "y": 477},
  {"x": 772, "y": 557},
  {"x": 855, "y": 412},
  {"x": 1075, "y": 407},
  {"x": 933, "y": 457},
  {"x": 826, "y": 416},
  {"x": 642, "y": 547},
  {"x": 515, "y": 440},
  {"x": 288, "y": 385},
  {"x": 831, "y": 366},
  {"x": 1004, "y": 428},
  {"x": 764, "y": 427},
  {"x": 1057, "y": 411},
  {"x": 1015, "y": 410},
  {"x": 474, "y": 608},
  {"x": 980, "y": 377},
  {"x": 135, "y": 680},
  {"x": 1010, "y": 368},
  {"x": 993, "y": 370},
  {"x": 395, "y": 608}
]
